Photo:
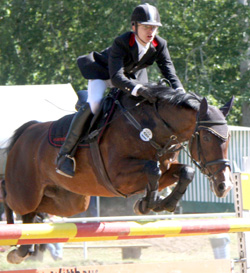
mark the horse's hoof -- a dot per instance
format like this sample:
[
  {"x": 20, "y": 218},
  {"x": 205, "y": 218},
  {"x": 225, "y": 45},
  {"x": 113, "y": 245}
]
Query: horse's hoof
[
  {"x": 170, "y": 207},
  {"x": 159, "y": 207},
  {"x": 140, "y": 207},
  {"x": 14, "y": 258}
]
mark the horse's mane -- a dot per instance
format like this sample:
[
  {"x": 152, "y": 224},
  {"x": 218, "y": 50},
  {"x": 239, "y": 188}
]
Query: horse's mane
[{"x": 178, "y": 98}]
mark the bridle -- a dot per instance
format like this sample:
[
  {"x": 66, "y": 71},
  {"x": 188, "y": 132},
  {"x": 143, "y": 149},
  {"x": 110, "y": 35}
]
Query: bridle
[
  {"x": 160, "y": 150},
  {"x": 207, "y": 125},
  {"x": 201, "y": 125},
  {"x": 168, "y": 148}
]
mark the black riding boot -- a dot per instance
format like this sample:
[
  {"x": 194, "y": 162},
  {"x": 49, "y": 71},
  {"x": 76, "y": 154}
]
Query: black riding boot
[{"x": 66, "y": 163}]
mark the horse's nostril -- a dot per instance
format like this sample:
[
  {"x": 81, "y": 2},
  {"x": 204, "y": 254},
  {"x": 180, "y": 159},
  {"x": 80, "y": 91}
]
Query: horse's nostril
[{"x": 221, "y": 186}]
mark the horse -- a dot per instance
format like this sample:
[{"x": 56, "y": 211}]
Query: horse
[{"x": 137, "y": 152}]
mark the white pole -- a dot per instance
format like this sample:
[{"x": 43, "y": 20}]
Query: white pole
[
  {"x": 240, "y": 213},
  {"x": 85, "y": 250}
]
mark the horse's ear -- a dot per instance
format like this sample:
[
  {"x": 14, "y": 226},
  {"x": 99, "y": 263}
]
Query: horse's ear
[
  {"x": 227, "y": 107},
  {"x": 203, "y": 107}
]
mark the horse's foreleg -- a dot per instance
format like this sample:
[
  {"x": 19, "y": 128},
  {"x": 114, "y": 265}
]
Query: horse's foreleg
[
  {"x": 153, "y": 174},
  {"x": 150, "y": 200},
  {"x": 170, "y": 202}
]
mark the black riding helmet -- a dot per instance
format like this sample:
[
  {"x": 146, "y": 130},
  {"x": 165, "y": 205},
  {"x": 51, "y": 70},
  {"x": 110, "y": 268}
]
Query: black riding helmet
[{"x": 146, "y": 14}]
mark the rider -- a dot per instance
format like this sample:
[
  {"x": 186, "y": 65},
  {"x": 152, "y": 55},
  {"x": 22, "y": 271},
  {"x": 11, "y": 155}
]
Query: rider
[{"x": 123, "y": 65}]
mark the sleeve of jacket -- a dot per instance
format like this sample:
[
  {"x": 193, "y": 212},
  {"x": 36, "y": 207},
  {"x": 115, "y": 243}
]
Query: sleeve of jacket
[
  {"x": 166, "y": 65},
  {"x": 118, "y": 53}
]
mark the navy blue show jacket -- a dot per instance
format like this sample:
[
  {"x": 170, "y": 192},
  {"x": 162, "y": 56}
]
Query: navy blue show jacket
[{"x": 120, "y": 63}]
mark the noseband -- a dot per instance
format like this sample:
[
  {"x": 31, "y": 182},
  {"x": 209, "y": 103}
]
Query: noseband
[{"x": 206, "y": 125}]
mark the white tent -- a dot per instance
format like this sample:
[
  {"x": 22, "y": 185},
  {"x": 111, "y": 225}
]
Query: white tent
[{"x": 22, "y": 103}]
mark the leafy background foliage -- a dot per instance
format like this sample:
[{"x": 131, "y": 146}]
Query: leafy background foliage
[{"x": 208, "y": 42}]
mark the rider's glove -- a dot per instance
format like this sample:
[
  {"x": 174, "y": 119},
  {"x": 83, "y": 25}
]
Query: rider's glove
[{"x": 180, "y": 89}]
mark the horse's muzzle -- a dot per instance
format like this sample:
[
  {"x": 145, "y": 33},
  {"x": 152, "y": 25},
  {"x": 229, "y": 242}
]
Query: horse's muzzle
[
  {"x": 222, "y": 183},
  {"x": 220, "y": 190}
]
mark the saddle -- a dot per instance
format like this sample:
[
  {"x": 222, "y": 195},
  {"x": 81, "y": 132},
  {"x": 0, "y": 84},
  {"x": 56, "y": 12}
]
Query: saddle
[
  {"x": 59, "y": 129},
  {"x": 90, "y": 139}
]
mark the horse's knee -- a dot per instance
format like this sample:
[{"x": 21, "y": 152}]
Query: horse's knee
[
  {"x": 152, "y": 170},
  {"x": 186, "y": 177},
  {"x": 186, "y": 174}
]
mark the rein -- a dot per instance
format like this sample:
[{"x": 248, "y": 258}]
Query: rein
[{"x": 147, "y": 135}]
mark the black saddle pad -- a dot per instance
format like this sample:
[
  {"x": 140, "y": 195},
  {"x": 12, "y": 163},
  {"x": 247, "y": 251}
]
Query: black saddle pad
[{"x": 59, "y": 129}]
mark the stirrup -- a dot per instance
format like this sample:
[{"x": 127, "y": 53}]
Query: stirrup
[
  {"x": 65, "y": 173},
  {"x": 73, "y": 159}
]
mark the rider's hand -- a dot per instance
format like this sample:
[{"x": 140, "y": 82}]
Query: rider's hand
[
  {"x": 144, "y": 92},
  {"x": 180, "y": 89}
]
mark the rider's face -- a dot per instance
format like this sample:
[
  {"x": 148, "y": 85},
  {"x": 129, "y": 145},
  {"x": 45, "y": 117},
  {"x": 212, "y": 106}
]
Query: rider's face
[{"x": 146, "y": 33}]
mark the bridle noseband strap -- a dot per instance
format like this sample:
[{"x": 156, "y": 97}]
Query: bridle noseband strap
[
  {"x": 203, "y": 167},
  {"x": 215, "y": 122},
  {"x": 218, "y": 161}
]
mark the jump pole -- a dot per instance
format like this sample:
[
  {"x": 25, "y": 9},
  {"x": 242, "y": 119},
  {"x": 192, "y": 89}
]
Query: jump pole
[{"x": 21, "y": 234}]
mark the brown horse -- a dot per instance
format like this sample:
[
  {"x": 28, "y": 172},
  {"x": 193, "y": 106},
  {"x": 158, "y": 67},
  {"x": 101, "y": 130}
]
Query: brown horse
[{"x": 138, "y": 149}]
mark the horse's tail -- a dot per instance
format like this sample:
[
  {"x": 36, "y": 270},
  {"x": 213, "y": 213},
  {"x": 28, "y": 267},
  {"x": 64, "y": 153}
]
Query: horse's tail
[
  {"x": 18, "y": 133},
  {"x": 8, "y": 211}
]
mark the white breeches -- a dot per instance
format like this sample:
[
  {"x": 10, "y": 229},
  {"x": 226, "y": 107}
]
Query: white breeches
[{"x": 96, "y": 89}]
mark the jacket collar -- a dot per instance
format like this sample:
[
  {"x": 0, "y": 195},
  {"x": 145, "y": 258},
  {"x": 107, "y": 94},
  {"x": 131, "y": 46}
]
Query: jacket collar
[
  {"x": 132, "y": 39},
  {"x": 134, "y": 49}
]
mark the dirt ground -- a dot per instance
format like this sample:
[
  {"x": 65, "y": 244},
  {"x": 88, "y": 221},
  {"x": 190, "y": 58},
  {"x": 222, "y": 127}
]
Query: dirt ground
[{"x": 161, "y": 250}]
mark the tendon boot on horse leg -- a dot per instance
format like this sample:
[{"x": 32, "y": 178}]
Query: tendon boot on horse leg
[
  {"x": 150, "y": 200},
  {"x": 170, "y": 202},
  {"x": 66, "y": 163}
]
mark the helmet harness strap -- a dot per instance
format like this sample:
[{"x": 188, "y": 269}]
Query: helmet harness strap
[{"x": 136, "y": 31}]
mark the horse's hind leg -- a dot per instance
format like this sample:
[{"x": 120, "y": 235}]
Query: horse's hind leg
[
  {"x": 8, "y": 211},
  {"x": 16, "y": 256},
  {"x": 170, "y": 202}
]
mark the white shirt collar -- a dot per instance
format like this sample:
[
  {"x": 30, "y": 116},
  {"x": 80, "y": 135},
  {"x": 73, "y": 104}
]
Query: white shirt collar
[{"x": 142, "y": 49}]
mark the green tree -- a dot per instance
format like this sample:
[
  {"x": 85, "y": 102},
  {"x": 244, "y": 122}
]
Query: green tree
[
  {"x": 41, "y": 40},
  {"x": 207, "y": 44},
  {"x": 207, "y": 39}
]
